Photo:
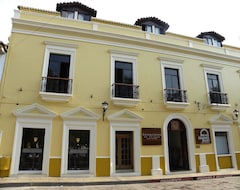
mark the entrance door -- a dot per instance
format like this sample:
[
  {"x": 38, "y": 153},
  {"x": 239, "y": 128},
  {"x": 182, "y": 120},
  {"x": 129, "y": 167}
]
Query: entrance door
[
  {"x": 177, "y": 146},
  {"x": 78, "y": 150},
  {"x": 32, "y": 147},
  {"x": 124, "y": 151}
]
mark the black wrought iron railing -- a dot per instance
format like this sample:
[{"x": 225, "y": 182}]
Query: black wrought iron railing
[
  {"x": 175, "y": 95},
  {"x": 218, "y": 97},
  {"x": 122, "y": 90},
  {"x": 56, "y": 85}
]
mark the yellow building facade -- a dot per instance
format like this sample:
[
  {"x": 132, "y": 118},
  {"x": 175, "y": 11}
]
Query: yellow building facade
[{"x": 172, "y": 100}]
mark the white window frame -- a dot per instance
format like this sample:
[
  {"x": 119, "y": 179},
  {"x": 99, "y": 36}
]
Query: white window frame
[
  {"x": 79, "y": 125},
  {"x": 125, "y": 57},
  {"x": 227, "y": 129},
  {"x": 173, "y": 64},
  {"x": 152, "y": 29},
  {"x": 130, "y": 123},
  {"x": 208, "y": 69},
  {"x": 215, "y": 72},
  {"x": 58, "y": 48},
  {"x": 78, "y": 122},
  {"x": 36, "y": 123},
  {"x": 190, "y": 139},
  {"x": 135, "y": 128}
]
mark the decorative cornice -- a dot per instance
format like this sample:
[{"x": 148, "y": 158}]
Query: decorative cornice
[{"x": 218, "y": 57}]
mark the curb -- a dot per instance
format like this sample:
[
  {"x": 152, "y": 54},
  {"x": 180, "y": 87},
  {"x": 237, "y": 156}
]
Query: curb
[{"x": 115, "y": 182}]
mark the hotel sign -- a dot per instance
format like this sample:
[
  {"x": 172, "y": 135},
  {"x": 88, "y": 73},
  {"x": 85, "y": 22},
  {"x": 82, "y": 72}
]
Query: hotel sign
[
  {"x": 202, "y": 136},
  {"x": 151, "y": 136}
]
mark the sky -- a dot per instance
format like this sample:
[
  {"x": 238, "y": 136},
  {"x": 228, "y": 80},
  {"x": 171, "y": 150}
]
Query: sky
[{"x": 185, "y": 17}]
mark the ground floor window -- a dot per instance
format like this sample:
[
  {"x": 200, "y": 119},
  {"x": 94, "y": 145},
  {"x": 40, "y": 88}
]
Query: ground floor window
[
  {"x": 221, "y": 143},
  {"x": 124, "y": 150},
  {"x": 31, "y": 156},
  {"x": 78, "y": 150}
]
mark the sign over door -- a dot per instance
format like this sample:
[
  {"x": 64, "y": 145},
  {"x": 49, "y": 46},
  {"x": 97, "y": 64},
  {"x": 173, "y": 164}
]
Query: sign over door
[{"x": 151, "y": 136}]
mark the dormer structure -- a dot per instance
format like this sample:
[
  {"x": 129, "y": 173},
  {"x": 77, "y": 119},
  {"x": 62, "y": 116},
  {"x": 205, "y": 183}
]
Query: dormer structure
[
  {"x": 152, "y": 25},
  {"x": 212, "y": 38},
  {"x": 76, "y": 10}
]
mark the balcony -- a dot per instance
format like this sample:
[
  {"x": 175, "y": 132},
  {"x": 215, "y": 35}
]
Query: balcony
[
  {"x": 125, "y": 94},
  {"x": 175, "y": 98},
  {"x": 218, "y": 100},
  {"x": 55, "y": 89}
]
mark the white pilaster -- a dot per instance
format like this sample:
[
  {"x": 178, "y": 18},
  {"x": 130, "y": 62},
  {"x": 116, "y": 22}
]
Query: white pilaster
[
  {"x": 203, "y": 163},
  {"x": 156, "y": 170}
]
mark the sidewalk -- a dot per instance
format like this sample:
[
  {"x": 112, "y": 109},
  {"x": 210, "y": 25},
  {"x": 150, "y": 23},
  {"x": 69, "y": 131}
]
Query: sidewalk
[{"x": 36, "y": 180}]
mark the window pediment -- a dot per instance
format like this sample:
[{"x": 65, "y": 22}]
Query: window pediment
[
  {"x": 80, "y": 113},
  {"x": 125, "y": 115},
  {"x": 220, "y": 119},
  {"x": 34, "y": 110}
]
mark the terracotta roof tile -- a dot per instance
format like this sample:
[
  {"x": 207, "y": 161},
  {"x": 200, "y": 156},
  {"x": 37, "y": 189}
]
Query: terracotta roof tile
[
  {"x": 212, "y": 34},
  {"x": 76, "y": 5}
]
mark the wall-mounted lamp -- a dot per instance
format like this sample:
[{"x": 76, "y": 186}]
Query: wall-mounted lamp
[
  {"x": 104, "y": 107},
  {"x": 235, "y": 112}
]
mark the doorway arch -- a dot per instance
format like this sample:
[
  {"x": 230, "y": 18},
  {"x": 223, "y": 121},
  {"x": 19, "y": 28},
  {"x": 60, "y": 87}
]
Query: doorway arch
[{"x": 178, "y": 144}]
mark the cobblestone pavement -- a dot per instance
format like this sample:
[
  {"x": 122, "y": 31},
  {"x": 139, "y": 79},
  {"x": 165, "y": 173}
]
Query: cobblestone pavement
[{"x": 228, "y": 183}]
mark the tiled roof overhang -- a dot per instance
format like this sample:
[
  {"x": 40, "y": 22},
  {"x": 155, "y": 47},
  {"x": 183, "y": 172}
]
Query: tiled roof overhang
[
  {"x": 155, "y": 20},
  {"x": 76, "y": 6},
  {"x": 212, "y": 34}
]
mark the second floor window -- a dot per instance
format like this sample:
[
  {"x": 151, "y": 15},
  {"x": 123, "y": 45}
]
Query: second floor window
[
  {"x": 58, "y": 73},
  {"x": 124, "y": 77},
  {"x": 173, "y": 82},
  {"x": 216, "y": 95},
  {"x": 173, "y": 89}
]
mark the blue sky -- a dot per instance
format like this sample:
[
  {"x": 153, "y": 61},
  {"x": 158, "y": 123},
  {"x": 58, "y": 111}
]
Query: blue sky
[{"x": 185, "y": 17}]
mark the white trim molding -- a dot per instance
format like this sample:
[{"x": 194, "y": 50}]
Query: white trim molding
[
  {"x": 79, "y": 119},
  {"x": 125, "y": 120},
  {"x": 178, "y": 65},
  {"x": 64, "y": 49},
  {"x": 37, "y": 117},
  {"x": 129, "y": 57},
  {"x": 190, "y": 139},
  {"x": 222, "y": 123}
]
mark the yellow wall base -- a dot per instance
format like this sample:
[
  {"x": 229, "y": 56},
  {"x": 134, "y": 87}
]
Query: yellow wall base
[
  {"x": 102, "y": 167},
  {"x": 54, "y": 167},
  {"x": 211, "y": 162},
  {"x": 146, "y": 165},
  {"x": 225, "y": 162},
  {"x": 5, "y": 163},
  {"x": 238, "y": 160}
]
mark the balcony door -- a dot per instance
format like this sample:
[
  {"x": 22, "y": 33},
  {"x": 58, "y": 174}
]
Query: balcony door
[
  {"x": 123, "y": 79},
  {"x": 58, "y": 73},
  {"x": 214, "y": 88},
  {"x": 173, "y": 88}
]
